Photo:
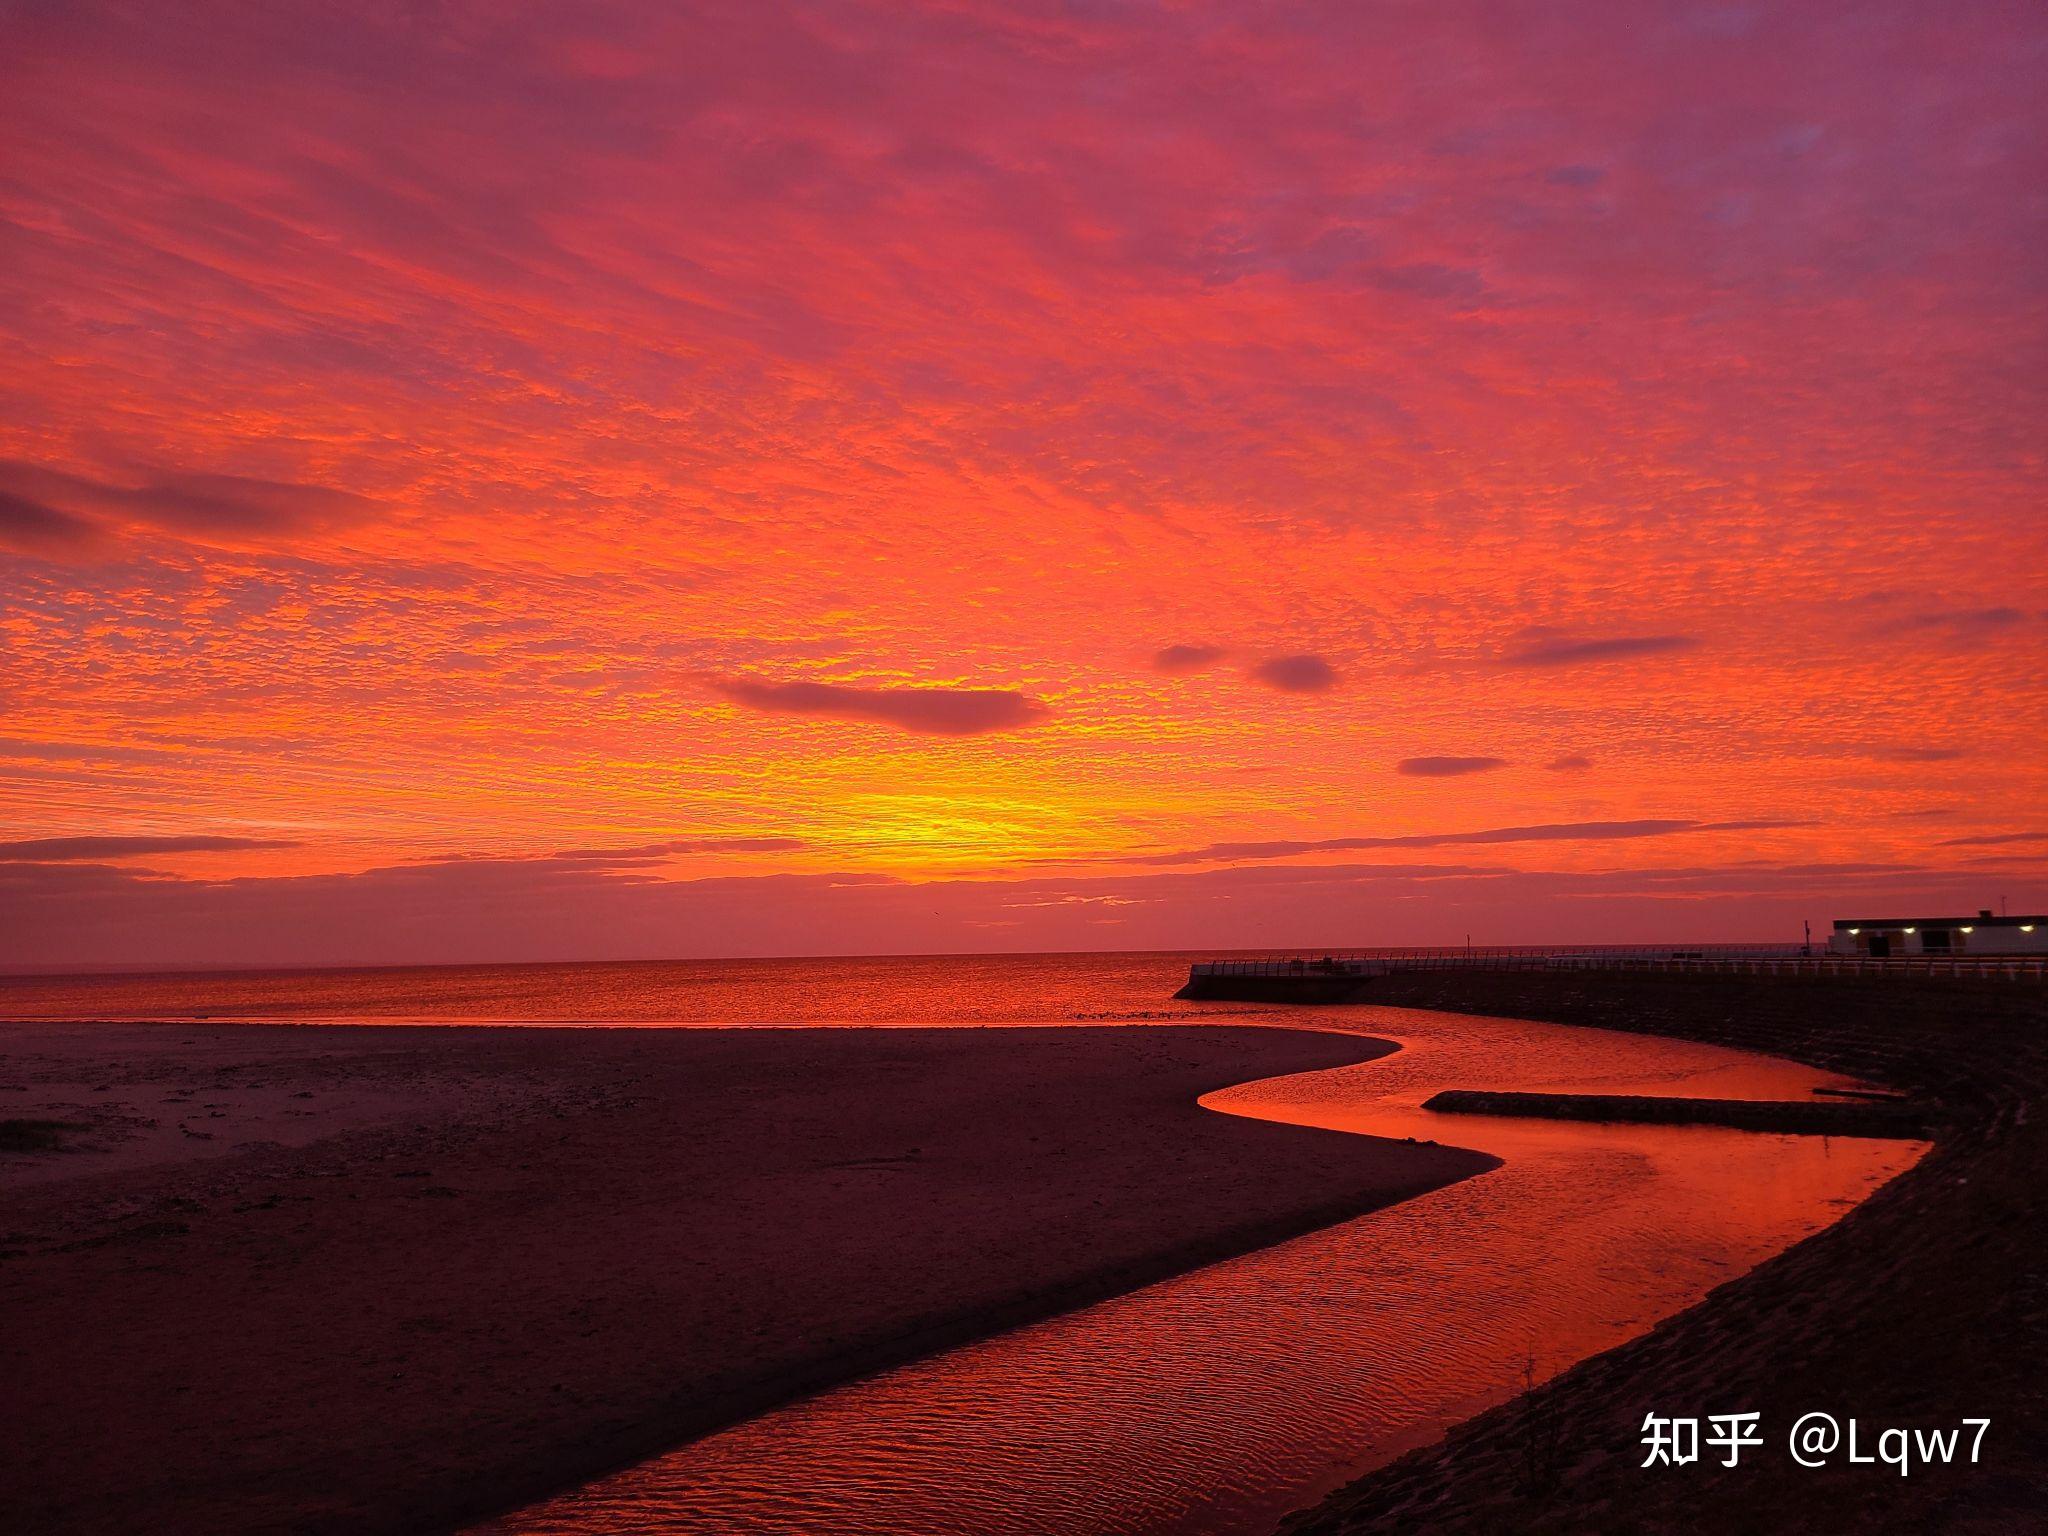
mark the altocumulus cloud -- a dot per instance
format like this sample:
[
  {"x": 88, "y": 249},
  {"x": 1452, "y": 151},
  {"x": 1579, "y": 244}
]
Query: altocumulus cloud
[
  {"x": 928, "y": 711},
  {"x": 1297, "y": 674}
]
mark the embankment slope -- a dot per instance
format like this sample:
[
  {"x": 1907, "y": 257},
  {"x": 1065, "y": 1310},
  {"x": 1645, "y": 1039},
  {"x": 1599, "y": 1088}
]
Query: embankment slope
[{"x": 1927, "y": 1303}]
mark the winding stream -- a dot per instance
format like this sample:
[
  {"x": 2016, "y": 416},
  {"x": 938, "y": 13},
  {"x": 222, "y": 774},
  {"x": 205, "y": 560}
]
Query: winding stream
[{"x": 1219, "y": 1400}]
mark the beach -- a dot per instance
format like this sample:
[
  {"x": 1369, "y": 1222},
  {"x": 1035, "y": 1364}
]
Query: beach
[
  {"x": 327, "y": 1277},
  {"x": 335, "y": 1278},
  {"x": 1924, "y": 1304}
]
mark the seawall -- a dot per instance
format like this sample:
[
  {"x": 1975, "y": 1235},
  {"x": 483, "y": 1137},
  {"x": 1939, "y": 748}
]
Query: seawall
[
  {"x": 1908, "y": 1122},
  {"x": 1308, "y": 989},
  {"x": 1926, "y": 1304}
]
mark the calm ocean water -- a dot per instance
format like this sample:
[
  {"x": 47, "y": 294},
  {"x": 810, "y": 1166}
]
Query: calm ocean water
[{"x": 924, "y": 989}]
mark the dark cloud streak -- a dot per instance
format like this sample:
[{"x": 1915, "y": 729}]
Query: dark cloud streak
[
  {"x": 1297, "y": 674},
  {"x": 31, "y": 527},
  {"x": 1565, "y": 651},
  {"x": 927, "y": 711},
  {"x": 681, "y": 845},
  {"x": 1187, "y": 658},
  {"x": 1546, "y": 832},
  {"x": 71, "y": 509},
  {"x": 1447, "y": 767},
  {"x": 43, "y": 850}
]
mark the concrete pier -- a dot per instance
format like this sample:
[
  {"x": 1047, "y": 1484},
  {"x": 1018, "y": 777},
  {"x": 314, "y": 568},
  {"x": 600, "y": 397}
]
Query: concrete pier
[
  {"x": 1325, "y": 980},
  {"x": 1908, "y": 1121}
]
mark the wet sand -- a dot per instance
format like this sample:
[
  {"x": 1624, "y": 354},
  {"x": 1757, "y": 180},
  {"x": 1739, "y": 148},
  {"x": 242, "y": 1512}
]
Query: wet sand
[
  {"x": 1926, "y": 1303},
  {"x": 393, "y": 1279}
]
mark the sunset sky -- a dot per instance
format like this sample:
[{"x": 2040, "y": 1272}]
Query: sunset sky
[{"x": 636, "y": 480}]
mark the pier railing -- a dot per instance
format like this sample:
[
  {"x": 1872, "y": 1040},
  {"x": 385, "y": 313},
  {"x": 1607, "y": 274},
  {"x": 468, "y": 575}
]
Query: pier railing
[
  {"x": 1985, "y": 967},
  {"x": 1723, "y": 959}
]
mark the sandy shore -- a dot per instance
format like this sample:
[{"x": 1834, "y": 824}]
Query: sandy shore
[
  {"x": 328, "y": 1279},
  {"x": 1927, "y": 1303}
]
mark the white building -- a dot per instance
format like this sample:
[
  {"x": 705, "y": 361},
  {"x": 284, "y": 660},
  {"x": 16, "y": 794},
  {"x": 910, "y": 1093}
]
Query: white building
[{"x": 1884, "y": 938}]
